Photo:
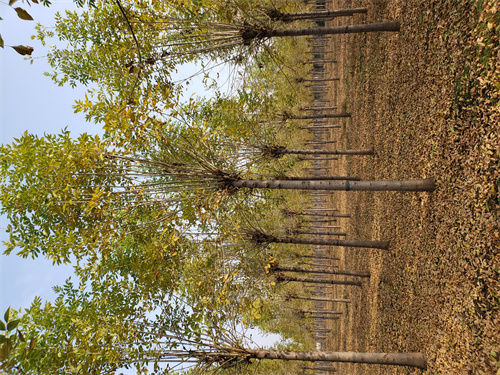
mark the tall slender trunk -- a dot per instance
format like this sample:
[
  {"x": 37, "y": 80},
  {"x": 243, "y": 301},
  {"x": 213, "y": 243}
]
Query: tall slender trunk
[
  {"x": 259, "y": 237},
  {"x": 321, "y": 127},
  {"x": 317, "y": 80},
  {"x": 327, "y": 178},
  {"x": 320, "y": 257},
  {"x": 317, "y": 159},
  {"x": 288, "y": 151},
  {"x": 323, "y": 15},
  {"x": 318, "y": 116},
  {"x": 318, "y": 233},
  {"x": 317, "y": 108},
  {"x": 404, "y": 185},
  {"x": 322, "y": 214},
  {"x": 283, "y": 278},
  {"x": 249, "y": 34},
  {"x": 397, "y": 359},
  {"x": 320, "y": 61},
  {"x": 320, "y": 312},
  {"x": 321, "y": 270},
  {"x": 321, "y": 299}
]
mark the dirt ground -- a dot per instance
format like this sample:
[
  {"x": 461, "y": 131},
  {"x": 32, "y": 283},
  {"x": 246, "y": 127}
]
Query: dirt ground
[{"x": 427, "y": 100}]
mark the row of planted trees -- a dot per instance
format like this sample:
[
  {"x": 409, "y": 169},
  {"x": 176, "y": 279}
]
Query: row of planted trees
[{"x": 174, "y": 220}]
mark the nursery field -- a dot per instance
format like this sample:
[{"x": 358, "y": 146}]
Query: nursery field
[{"x": 427, "y": 100}]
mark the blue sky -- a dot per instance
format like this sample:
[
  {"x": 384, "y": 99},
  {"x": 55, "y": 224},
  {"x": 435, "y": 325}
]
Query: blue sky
[{"x": 30, "y": 101}]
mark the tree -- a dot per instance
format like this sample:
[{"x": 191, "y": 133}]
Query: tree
[
  {"x": 261, "y": 237},
  {"x": 82, "y": 333}
]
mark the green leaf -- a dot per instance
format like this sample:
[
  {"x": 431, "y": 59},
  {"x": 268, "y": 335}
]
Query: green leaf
[
  {"x": 1, "y": 41},
  {"x": 12, "y": 2},
  {"x": 22, "y": 14},
  {"x": 21, "y": 336},
  {"x": 12, "y": 324},
  {"x": 2, "y": 339},
  {"x": 2, "y": 326},
  {"x": 6, "y": 315}
]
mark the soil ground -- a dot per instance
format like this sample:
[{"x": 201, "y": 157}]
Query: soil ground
[{"x": 427, "y": 100}]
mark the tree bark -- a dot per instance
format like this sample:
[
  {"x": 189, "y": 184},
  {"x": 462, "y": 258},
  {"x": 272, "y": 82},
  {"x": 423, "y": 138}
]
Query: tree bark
[
  {"x": 321, "y": 127},
  {"x": 322, "y": 115},
  {"x": 265, "y": 238},
  {"x": 317, "y": 80},
  {"x": 251, "y": 34},
  {"x": 317, "y": 108},
  {"x": 340, "y": 300},
  {"x": 317, "y": 159},
  {"x": 321, "y": 270},
  {"x": 403, "y": 185},
  {"x": 320, "y": 312},
  {"x": 317, "y": 233},
  {"x": 321, "y": 61},
  {"x": 396, "y": 359},
  {"x": 282, "y": 278},
  {"x": 323, "y": 15},
  {"x": 328, "y": 178},
  {"x": 287, "y": 151},
  {"x": 320, "y": 257},
  {"x": 323, "y": 214}
]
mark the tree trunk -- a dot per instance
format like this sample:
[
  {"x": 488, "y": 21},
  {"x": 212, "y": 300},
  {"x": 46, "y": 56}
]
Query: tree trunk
[
  {"x": 397, "y": 359},
  {"x": 321, "y": 270},
  {"x": 317, "y": 108},
  {"x": 328, "y": 178},
  {"x": 404, "y": 185},
  {"x": 317, "y": 80},
  {"x": 320, "y": 61},
  {"x": 323, "y": 214},
  {"x": 260, "y": 237},
  {"x": 320, "y": 312},
  {"x": 287, "y": 151},
  {"x": 282, "y": 278},
  {"x": 319, "y": 257},
  {"x": 321, "y": 127},
  {"x": 341, "y": 300},
  {"x": 316, "y": 233},
  {"x": 290, "y": 17},
  {"x": 317, "y": 159},
  {"x": 250, "y": 34},
  {"x": 322, "y": 115}
]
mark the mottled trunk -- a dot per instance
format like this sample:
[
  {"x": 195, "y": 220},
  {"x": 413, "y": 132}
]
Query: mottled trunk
[
  {"x": 396, "y": 359},
  {"x": 328, "y": 178},
  {"x": 321, "y": 127},
  {"x": 323, "y": 15},
  {"x": 404, "y": 185},
  {"x": 322, "y": 270},
  {"x": 251, "y": 34},
  {"x": 322, "y": 214},
  {"x": 319, "y": 257},
  {"x": 317, "y": 80},
  {"x": 317, "y": 108},
  {"x": 287, "y": 151},
  {"x": 340, "y": 300},
  {"x": 318, "y": 116},
  {"x": 318, "y": 233},
  {"x": 384, "y": 245},
  {"x": 282, "y": 278},
  {"x": 320, "y": 312},
  {"x": 316, "y": 159},
  {"x": 321, "y": 61}
]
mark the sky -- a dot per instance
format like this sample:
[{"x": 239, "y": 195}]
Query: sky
[{"x": 31, "y": 101}]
